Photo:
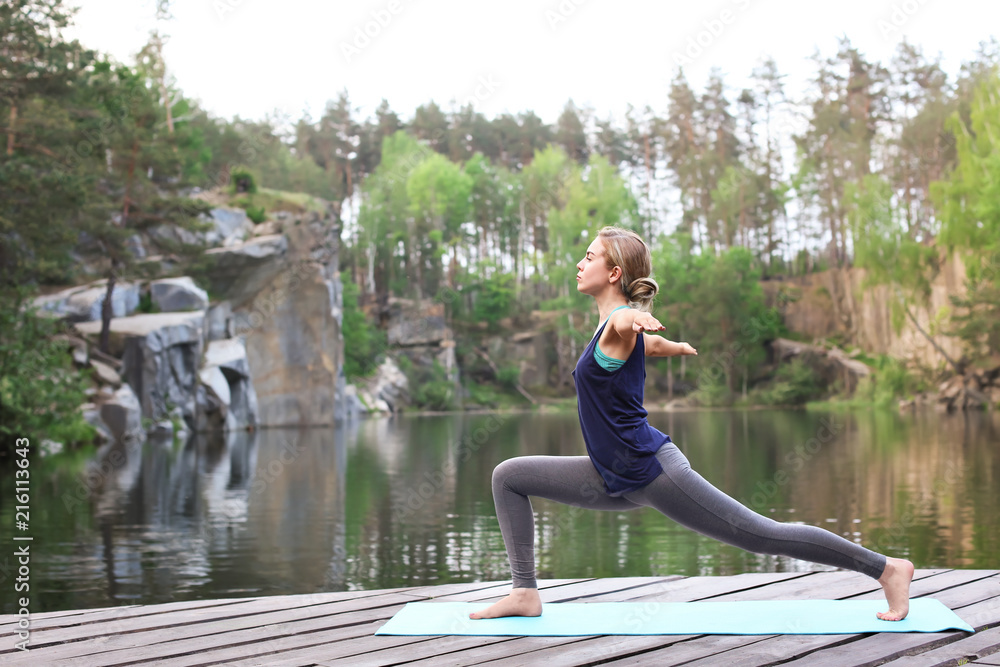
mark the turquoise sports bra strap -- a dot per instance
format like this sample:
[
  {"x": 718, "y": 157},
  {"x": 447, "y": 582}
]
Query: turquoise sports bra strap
[{"x": 613, "y": 311}]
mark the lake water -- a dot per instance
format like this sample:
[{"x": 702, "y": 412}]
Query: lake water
[{"x": 406, "y": 501}]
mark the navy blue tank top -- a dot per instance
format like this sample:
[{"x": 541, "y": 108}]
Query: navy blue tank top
[{"x": 620, "y": 441}]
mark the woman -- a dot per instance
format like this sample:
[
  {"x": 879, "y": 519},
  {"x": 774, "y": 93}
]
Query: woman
[{"x": 631, "y": 464}]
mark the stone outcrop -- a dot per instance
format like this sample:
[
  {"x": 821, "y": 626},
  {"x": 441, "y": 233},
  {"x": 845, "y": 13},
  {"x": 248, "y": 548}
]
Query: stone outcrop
[
  {"x": 84, "y": 303},
  {"x": 837, "y": 303},
  {"x": 170, "y": 295},
  {"x": 122, "y": 415},
  {"x": 227, "y": 395},
  {"x": 286, "y": 303},
  {"x": 242, "y": 271},
  {"x": 418, "y": 331},
  {"x": 229, "y": 227},
  {"x": 974, "y": 390},
  {"x": 161, "y": 354},
  {"x": 832, "y": 366},
  {"x": 387, "y": 391}
]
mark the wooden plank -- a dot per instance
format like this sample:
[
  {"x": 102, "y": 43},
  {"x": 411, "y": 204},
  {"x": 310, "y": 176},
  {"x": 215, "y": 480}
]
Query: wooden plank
[
  {"x": 77, "y": 616},
  {"x": 974, "y": 647},
  {"x": 990, "y": 660},
  {"x": 776, "y": 649},
  {"x": 271, "y": 650},
  {"x": 501, "y": 590},
  {"x": 375, "y": 652},
  {"x": 872, "y": 650},
  {"x": 130, "y": 623},
  {"x": 432, "y": 592},
  {"x": 122, "y": 617},
  {"x": 690, "y": 589},
  {"x": 788, "y": 647},
  {"x": 590, "y": 590},
  {"x": 880, "y": 648},
  {"x": 594, "y": 650},
  {"x": 551, "y": 591},
  {"x": 685, "y": 652},
  {"x": 301, "y": 644},
  {"x": 129, "y": 611},
  {"x": 347, "y": 612}
]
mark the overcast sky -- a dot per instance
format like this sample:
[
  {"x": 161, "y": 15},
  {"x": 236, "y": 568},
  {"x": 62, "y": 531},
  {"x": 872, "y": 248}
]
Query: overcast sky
[{"x": 250, "y": 57}]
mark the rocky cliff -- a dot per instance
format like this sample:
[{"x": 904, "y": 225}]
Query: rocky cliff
[
  {"x": 837, "y": 303},
  {"x": 265, "y": 351}
]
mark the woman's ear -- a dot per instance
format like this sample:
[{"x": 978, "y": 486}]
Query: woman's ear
[{"x": 615, "y": 275}]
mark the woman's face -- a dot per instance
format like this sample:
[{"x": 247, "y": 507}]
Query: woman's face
[{"x": 591, "y": 272}]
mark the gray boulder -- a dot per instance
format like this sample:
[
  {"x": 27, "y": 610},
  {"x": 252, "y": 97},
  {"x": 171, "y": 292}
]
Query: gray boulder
[
  {"x": 226, "y": 396},
  {"x": 219, "y": 316},
  {"x": 123, "y": 416},
  {"x": 172, "y": 295},
  {"x": 105, "y": 374},
  {"x": 241, "y": 271},
  {"x": 84, "y": 303},
  {"x": 161, "y": 355},
  {"x": 416, "y": 322},
  {"x": 230, "y": 227},
  {"x": 387, "y": 390},
  {"x": 169, "y": 235}
]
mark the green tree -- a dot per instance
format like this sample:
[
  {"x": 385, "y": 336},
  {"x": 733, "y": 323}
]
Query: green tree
[
  {"x": 968, "y": 200},
  {"x": 47, "y": 184},
  {"x": 388, "y": 248},
  {"x": 363, "y": 340},
  {"x": 439, "y": 192},
  {"x": 730, "y": 321},
  {"x": 40, "y": 390}
]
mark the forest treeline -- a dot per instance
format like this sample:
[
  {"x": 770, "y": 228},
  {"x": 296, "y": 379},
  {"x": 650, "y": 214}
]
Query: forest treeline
[{"x": 880, "y": 165}]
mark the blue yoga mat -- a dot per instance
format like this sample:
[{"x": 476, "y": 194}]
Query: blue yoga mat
[{"x": 765, "y": 617}]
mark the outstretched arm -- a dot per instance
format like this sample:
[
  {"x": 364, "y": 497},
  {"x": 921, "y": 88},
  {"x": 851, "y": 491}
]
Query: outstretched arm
[
  {"x": 629, "y": 323},
  {"x": 658, "y": 346}
]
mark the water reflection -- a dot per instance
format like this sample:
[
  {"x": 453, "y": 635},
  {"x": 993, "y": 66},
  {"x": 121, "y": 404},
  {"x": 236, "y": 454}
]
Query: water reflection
[{"x": 407, "y": 501}]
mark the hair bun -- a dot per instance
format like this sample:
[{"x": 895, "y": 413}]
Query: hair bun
[{"x": 641, "y": 292}]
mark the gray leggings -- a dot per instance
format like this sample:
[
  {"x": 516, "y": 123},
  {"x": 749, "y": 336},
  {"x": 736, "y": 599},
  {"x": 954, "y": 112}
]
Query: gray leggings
[{"x": 679, "y": 493}]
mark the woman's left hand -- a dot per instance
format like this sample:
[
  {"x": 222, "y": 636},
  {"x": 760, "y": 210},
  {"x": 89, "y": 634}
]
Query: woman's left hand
[{"x": 646, "y": 322}]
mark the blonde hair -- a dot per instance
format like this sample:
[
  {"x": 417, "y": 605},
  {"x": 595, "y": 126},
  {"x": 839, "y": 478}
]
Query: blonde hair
[{"x": 626, "y": 250}]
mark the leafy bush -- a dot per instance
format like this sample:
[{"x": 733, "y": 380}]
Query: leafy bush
[
  {"x": 795, "y": 383},
  {"x": 363, "y": 340},
  {"x": 257, "y": 214},
  {"x": 40, "y": 390},
  {"x": 495, "y": 298},
  {"x": 711, "y": 392},
  {"x": 242, "y": 181},
  {"x": 431, "y": 388},
  {"x": 890, "y": 381},
  {"x": 509, "y": 376}
]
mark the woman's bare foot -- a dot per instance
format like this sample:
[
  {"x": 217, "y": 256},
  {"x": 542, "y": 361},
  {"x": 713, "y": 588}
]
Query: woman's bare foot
[
  {"x": 520, "y": 602},
  {"x": 895, "y": 582}
]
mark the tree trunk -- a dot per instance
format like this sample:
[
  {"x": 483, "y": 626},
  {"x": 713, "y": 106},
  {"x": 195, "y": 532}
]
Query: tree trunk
[
  {"x": 115, "y": 263},
  {"x": 670, "y": 378},
  {"x": 162, "y": 80},
  {"x": 959, "y": 367},
  {"x": 10, "y": 129},
  {"x": 519, "y": 269},
  {"x": 683, "y": 359},
  {"x": 106, "y": 310}
]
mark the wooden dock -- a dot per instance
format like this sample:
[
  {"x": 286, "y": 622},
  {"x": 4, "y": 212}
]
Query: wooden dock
[{"x": 338, "y": 628}]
